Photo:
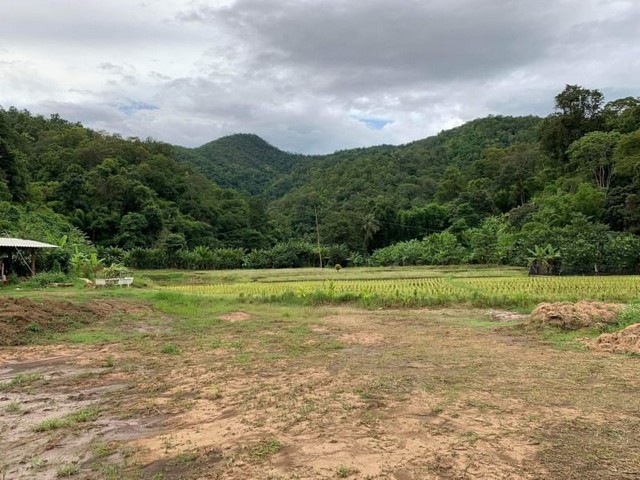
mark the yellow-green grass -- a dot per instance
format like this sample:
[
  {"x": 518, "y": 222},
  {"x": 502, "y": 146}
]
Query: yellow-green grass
[
  {"x": 206, "y": 277},
  {"x": 513, "y": 291}
]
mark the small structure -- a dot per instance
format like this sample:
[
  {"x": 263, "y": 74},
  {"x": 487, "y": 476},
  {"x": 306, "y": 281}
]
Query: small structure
[
  {"x": 11, "y": 246},
  {"x": 105, "y": 282}
]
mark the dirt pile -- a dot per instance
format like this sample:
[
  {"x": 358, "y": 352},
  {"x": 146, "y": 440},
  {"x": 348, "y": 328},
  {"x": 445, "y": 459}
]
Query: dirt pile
[
  {"x": 22, "y": 318},
  {"x": 624, "y": 341},
  {"x": 574, "y": 316}
]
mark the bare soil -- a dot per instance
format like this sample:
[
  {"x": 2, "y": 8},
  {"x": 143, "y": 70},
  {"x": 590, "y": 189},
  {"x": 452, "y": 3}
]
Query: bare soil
[
  {"x": 22, "y": 318},
  {"x": 236, "y": 316},
  {"x": 332, "y": 393}
]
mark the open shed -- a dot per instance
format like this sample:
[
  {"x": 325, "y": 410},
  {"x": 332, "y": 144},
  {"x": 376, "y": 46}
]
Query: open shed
[{"x": 12, "y": 248}]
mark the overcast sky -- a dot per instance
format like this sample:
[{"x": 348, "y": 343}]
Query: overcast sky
[{"x": 309, "y": 76}]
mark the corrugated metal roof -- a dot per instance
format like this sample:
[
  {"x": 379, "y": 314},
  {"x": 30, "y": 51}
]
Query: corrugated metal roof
[{"x": 20, "y": 243}]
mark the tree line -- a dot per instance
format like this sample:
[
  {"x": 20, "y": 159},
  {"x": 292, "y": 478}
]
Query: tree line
[{"x": 562, "y": 192}]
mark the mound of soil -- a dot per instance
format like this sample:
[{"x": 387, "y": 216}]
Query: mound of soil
[
  {"x": 574, "y": 316},
  {"x": 624, "y": 341},
  {"x": 22, "y": 318}
]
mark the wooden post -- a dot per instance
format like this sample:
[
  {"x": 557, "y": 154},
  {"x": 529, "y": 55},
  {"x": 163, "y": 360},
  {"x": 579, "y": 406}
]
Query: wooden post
[{"x": 33, "y": 262}]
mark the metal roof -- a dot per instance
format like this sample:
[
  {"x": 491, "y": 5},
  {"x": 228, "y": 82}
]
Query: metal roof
[{"x": 20, "y": 243}]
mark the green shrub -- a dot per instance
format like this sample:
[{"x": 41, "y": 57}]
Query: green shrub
[{"x": 45, "y": 278}]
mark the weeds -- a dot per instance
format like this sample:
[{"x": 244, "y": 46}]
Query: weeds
[
  {"x": 38, "y": 463},
  {"x": 103, "y": 450},
  {"x": 14, "y": 407},
  {"x": 171, "y": 349},
  {"x": 266, "y": 448},
  {"x": 68, "y": 421},
  {"x": 68, "y": 470},
  {"x": 343, "y": 471},
  {"x": 21, "y": 380}
]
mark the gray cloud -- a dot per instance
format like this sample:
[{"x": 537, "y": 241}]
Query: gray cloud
[
  {"x": 309, "y": 75},
  {"x": 425, "y": 40}
]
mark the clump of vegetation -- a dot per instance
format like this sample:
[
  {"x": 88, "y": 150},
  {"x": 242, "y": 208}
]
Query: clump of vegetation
[
  {"x": 343, "y": 471},
  {"x": 68, "y": 470},
  {"x": 266, "y": 448},
  {"x": 44, "y": 279},
  {"x": 71, "y": 420},
  {"x": 13, "y": 407},
  {"x": 171, "y": 349},
  {"x": 21, "y": 380}
]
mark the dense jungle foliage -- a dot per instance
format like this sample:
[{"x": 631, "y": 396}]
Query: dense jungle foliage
[{"x": 561, "y": 194}]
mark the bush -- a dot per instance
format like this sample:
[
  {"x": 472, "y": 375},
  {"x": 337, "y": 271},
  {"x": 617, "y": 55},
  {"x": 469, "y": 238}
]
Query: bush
[
  {"x": 45, "y": 278},
  {"x": 146, "y": 258},
  {"x": 622, "y": 254},
  {"x": 228, "y": 258}
]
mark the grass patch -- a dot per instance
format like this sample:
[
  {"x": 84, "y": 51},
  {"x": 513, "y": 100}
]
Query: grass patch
[
  {"x": 93, "y": 337},
  {"x": 103, "y": 449},
  {"x": 333, "y": 345},
  {"x": 13, "y": 407},
  {"x": 343, "y": 471},
  {"x": 67, "y": 470},
  {"x": 265, "y": 448},
  {"x": 71, "y": 420},
  {"x": 171, "y": 349},
  {"x": 628, "y": 316},
  {"x": 21, "y": 380}
]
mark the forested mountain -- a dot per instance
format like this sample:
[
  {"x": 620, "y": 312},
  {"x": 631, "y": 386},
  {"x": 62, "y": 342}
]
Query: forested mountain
[
  {"x": 497, "y": 189},
  {"x": 383, "y": 182},
  {"x": 243, "y": 162},
  {"x": 120, "y": 192}
]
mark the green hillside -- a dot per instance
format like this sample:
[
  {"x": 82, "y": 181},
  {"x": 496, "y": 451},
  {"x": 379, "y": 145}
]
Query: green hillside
[
  {"x": 495, "y": 190},
  {"x": 243, "y": 162},
  {"x": 123, "y": 193}
]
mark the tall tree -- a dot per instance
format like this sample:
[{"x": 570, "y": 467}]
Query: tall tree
[
  {"x": 370, "y": 226},
  {"x": 593, "y": 155},
  {"x": 578, "y": 111}
]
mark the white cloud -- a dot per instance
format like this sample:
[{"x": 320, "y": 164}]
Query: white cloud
[{"x": 308, "y": 75}]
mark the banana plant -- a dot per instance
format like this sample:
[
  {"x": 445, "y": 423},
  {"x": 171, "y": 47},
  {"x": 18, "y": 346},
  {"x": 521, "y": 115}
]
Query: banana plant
[{"x": 543, "y": 260}]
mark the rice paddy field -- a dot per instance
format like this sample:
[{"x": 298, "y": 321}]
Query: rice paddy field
[
  {"x": 378, "y": 374},
  {"x": 415, "y": 288}
]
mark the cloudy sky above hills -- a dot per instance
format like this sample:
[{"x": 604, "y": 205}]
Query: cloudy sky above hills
[{"x": 309, "y": 76}]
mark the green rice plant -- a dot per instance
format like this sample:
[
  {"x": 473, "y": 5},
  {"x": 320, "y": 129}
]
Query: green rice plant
[{"x": 520, "y": 292}]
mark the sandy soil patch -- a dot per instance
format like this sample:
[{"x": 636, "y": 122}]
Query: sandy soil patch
[
  {"x": 236, "y": 317},
  {"x": 368, "y": 339}
]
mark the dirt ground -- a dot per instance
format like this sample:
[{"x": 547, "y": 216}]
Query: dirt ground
[
  {"x": 273, "y": 393},
  {"x": 22, "y": 318}
]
